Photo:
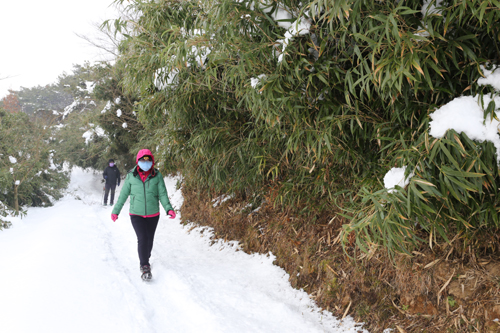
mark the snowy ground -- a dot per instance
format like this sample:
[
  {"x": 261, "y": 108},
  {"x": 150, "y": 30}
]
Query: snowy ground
[{"x": 69, "y": 268}]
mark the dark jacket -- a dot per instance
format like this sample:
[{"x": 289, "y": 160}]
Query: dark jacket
[{"x": 112, "y": 175}]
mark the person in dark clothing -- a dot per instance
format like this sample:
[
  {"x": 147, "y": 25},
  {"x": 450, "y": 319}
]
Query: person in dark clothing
[{"x": 112, "y": 176}]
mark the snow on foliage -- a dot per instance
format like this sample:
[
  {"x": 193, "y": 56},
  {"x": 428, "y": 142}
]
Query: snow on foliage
[
  {"x": 124, "y": 125},
  {"x": 298, "y": 28},
  {"x": 107, "y": 107},
  {"x": 465, "y": 115},
  {"x": 428, "y": 8},
  {"x": 68, "y": 109},
  {"x": 164, "y": 78},
  {"x": 254, "y": 82},
  {"x": 90, "y": 86},
  {"x": 491, "y": 78},
  {"x": 281, "y": 14},
  {"x": 97, "y": 130},
  {"x": 220, "y": 200},
  {"x": 396, "y": 176},
  {"x": 200, "y": 53},
  {"x": 12, "y": 159},
  {"x": 17, "y": 182},
  {"x": 119, "y": 113}
]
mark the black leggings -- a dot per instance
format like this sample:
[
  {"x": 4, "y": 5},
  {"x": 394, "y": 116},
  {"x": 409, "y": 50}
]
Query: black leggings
[
  {"x": 106, "y": 193},
  {"x": 145, "y": 228}
]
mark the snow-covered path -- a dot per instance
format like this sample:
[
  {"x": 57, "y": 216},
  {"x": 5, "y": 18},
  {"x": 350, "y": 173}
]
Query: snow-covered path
[{"x": 69, "y": 268}]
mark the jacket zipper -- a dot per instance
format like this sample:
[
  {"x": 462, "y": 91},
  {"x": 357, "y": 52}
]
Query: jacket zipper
[{"x": 145, "y": 200}]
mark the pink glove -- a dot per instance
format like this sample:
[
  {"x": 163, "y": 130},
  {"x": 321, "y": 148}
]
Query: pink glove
[
  {"x": 114, "y": 217},
  {"x": 171, "y": 213}
]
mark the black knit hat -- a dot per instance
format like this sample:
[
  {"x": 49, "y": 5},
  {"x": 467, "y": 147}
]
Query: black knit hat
[{"x": 111, "y": 160}]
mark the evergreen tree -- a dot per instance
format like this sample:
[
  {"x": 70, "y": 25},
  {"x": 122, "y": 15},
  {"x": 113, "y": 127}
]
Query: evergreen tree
[
  {"x": 30, "y": 174},
  {"x": 44, "y": 101},
  {"x": 100, "y": 123},
  {"x": 10, "y": 103}
]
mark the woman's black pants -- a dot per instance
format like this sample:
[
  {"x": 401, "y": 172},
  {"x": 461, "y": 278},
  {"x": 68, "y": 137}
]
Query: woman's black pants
[{"x": 145, "y": 228}]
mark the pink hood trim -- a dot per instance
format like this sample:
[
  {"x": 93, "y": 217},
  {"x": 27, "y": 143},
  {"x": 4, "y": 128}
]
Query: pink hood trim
[{"x": 144, "y": 152}]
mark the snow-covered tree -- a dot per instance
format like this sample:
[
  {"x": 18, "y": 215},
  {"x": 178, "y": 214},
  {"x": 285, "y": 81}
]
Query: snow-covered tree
[
  {"x": 30, "y": 174},
  {"x": 100, "y": 123}
]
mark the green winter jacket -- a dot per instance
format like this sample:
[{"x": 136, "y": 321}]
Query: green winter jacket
[{"x": 144, "y": 197}]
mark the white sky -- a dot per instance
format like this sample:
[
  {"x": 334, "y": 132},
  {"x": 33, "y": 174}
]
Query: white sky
[{"x": 39, "y": 39}]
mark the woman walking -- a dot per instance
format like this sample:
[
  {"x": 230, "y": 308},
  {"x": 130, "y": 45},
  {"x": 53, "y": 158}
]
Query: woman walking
[{"x": 146, "y": 188}]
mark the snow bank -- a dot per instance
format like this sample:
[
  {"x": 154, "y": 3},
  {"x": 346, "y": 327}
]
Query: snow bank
[{"x": 197, "y": 286}]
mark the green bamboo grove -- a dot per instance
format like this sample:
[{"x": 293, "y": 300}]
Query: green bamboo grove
[{"x": 317, "y": 100}]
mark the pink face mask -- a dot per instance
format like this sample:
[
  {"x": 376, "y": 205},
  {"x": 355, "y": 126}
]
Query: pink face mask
[{"x": 111, "y": 164}]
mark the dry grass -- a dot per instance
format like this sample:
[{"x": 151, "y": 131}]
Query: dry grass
[{"x": 449, "y": 288}]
